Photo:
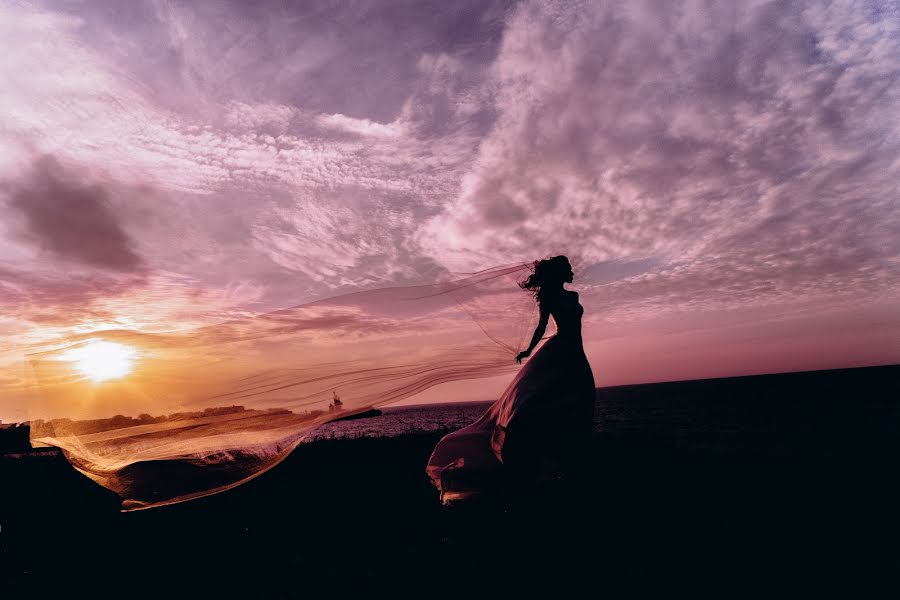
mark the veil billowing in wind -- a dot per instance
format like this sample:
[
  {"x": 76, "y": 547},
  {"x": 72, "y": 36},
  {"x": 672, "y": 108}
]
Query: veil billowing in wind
[{"x": 202, "y": 411}]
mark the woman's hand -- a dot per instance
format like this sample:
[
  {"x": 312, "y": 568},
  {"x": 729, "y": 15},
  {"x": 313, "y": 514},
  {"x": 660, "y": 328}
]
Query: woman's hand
[{"x": 522, "y": 354}]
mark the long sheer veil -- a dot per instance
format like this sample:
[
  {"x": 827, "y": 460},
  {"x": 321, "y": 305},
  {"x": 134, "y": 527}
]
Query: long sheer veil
[{"x": 202, "y": 411}]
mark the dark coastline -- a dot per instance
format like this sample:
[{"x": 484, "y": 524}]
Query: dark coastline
[{"x": 796, "y": 481}]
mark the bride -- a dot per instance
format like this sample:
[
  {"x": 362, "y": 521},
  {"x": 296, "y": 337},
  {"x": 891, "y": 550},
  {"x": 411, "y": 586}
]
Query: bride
[{"x": 540, "y": 423}]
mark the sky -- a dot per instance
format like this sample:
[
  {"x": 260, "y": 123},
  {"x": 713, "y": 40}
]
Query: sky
[{"x": 723, "y": 176}]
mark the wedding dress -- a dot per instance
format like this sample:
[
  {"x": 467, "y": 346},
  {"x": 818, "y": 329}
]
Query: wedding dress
[{"x": 537, "y": 426}]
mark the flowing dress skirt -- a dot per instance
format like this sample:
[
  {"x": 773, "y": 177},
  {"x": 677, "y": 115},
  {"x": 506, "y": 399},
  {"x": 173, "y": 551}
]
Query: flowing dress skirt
[{"x": 537, "y": 428}]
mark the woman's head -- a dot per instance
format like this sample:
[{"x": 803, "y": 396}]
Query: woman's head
[{"x": 550, "y": 273}]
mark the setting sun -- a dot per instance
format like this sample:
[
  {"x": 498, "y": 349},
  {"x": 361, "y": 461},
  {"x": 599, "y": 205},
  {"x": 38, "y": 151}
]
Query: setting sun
[{"x": 101, "y": 361}]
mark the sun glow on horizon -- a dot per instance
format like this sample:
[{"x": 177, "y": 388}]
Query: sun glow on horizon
[{"x": 101, "y": 360}]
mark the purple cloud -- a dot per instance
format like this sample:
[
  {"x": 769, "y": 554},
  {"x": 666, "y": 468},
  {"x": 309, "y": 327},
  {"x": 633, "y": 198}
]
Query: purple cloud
[
  {"x": 70, "y": 220},
  {"x": 755, "y": 144}
]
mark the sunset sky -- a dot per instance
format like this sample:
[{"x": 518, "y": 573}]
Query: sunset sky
[{"x": 725, "y": 177}]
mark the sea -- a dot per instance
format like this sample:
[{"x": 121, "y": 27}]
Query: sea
[
  {"x": 395, "y": 421},
  {"x": 825, "y": 409}
]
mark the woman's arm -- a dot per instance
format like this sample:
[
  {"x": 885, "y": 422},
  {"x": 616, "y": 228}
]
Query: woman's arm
[{"x": 538, "y": 334}]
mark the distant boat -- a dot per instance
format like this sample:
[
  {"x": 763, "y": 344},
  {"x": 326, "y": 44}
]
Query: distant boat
[{"x": 336, "y": 404}]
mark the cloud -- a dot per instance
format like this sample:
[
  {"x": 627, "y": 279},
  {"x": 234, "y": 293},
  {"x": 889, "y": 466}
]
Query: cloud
[
  {"x": 675, "y": 135},
  {"x": 64, "y": 96},
  {"x": 71, "y": 220},
  {"x": 60, "y": 297},
  {"x": 258, "y": 117},
  {"x": 363, "y": 127},
  {"x": 339, "y": 239},
  {"x": 752, "y": 146},
  {"x": 101, "y": 95}
]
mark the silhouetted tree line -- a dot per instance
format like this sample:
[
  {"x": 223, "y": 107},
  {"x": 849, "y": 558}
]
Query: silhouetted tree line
[{"x": 64, "y": 426}]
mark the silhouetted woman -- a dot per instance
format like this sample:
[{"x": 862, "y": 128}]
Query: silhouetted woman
[{"x": 541, "y": 422}]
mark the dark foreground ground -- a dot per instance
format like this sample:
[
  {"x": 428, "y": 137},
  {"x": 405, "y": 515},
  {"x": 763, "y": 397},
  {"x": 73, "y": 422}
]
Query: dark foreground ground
[{"x": 727, "y": 512}]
